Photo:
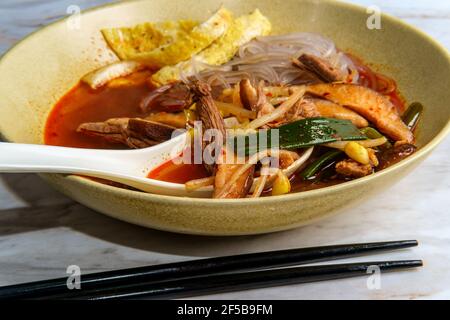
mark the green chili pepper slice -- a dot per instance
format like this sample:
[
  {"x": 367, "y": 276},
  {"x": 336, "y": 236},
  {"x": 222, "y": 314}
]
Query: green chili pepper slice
[
  {"x": 314, "y": 167},
  {"x": 412, "y": 115}
]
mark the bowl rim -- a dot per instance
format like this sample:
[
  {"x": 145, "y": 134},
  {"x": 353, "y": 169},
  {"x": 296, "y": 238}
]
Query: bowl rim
[{"x": 422, "y": 152}]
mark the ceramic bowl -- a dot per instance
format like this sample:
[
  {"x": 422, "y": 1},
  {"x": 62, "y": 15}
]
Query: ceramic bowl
[{"x": 45, "y": 65}]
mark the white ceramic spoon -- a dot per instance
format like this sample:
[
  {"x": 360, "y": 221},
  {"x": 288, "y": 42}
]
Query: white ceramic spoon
[{"x": 129, "y": 167}]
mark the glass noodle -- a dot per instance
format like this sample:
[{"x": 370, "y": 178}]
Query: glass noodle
[{"x": 270, "y": 59}]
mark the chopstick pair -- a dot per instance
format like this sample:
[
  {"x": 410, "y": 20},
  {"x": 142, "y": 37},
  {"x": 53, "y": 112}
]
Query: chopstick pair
[{"x": 206, "y": 276}]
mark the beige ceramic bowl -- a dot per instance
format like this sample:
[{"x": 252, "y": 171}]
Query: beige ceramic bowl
[{"x": 44, "y": 66}]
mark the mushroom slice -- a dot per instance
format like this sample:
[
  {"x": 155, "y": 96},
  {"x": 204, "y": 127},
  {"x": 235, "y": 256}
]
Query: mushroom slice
[
  {"x": 141, "y": 128},
  {"x": 209, "y": 114},
  {"x": 212, "y": 119},
  {"x": 169, "y": 98},
  {"x": 135, "y": 132},
  {"x": 248, "y": 94},
  {"x": 352, "y": 169},
  {"x": 320, "y": 67}
]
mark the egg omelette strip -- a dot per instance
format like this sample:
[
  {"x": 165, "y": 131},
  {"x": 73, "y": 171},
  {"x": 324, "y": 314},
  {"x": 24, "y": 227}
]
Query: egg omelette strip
[
  {"x": 241, "y": 31},
  {"x": 127, "y": 43},
  {"x": 183, "y": 48}
]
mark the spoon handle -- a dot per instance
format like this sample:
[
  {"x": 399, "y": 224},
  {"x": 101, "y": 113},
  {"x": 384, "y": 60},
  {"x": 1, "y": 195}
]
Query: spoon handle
[
  {"x": 16, "y": 158},
  {"x": 128, "y": 167}
]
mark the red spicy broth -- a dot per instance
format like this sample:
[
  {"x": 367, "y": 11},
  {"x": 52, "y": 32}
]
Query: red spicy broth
[{"x": 82, "y": 104}]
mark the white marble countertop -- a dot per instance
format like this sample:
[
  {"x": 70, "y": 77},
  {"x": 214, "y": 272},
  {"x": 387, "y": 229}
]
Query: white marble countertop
[{"x": 42, "y": 231}]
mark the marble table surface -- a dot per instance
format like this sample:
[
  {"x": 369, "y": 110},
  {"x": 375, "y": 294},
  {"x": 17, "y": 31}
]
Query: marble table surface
[{"x": 42, "y": 232}]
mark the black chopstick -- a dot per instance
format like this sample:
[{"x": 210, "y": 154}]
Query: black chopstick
[
  {"x": 173, "y": 271},
  {"x": 247, "y": 280}
]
